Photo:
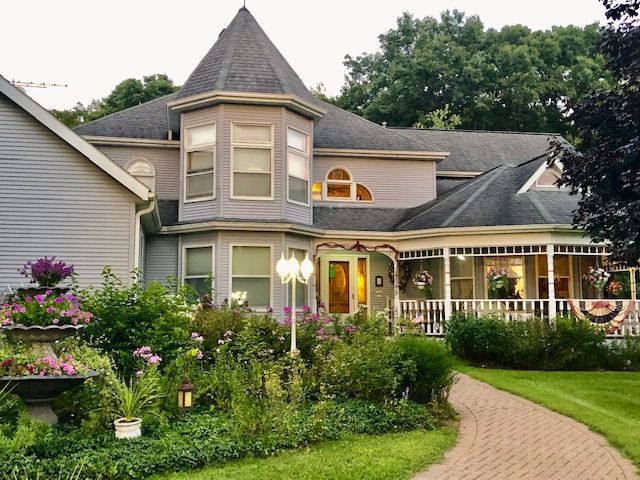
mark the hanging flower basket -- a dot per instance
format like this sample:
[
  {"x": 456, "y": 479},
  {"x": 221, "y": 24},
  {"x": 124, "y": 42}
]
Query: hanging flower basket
[
  {"x": 597, "y": 278},
  {"x": 423, "y": 279}
]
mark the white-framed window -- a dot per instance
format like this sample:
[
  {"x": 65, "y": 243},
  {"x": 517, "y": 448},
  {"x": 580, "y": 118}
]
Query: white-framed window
[
  {"x": 251, "y": 161},
  {"x": 199, "y": 162},
  {"x": 549, "y": 177},
  {"x": 298, "y": 166},
  {"x": 198, "y": 266},
  {"x": 514, "y": 266},
  {"x": 251, "y": 273},
  {"x": 340, "y": 186},
  {"x": 302, "y": 290},
  {"x": 143, "y": 170},
  {"x": 461, "y": 277}
]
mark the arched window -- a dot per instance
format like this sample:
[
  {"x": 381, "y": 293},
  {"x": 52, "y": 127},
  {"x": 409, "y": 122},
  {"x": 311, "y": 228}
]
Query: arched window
[
  {"x": 339, "y": 185},
  {"x": 549, "y": 178},
  {"x": 143, "y": 170}
]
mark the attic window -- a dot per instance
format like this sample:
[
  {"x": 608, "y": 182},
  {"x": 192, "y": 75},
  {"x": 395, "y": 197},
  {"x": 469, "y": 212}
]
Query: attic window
[
  {"x": 143, "y": 170},
  {"x": 339, "y": 186},
  {"x": 549, "y": 178}
]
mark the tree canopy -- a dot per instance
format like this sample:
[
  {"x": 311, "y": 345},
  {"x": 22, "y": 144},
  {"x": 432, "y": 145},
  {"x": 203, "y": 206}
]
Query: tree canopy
[
  {"x": 605, "y": 173},
  {"x": 507, "y": 79},
  {"x": 128, "y": 93}
]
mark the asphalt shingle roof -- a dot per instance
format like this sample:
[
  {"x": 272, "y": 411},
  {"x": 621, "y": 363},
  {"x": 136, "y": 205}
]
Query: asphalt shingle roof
[
  {"x": 341, "y": 129},
  {"x": 490, "y": 199},
  {"x": 480, "y": 151},
  {"x": 244, "y": 59},
  {"x": 148, "y": 121}
]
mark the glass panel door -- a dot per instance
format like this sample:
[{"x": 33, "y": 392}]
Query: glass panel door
[{"x": 339, "y": 287}]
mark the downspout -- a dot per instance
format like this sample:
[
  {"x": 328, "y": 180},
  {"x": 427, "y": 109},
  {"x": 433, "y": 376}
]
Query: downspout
[{"x": 138, "y": 228}]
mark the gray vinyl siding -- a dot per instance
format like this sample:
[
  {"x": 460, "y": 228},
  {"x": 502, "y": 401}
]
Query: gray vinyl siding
[
  {"x": 393, "y": 183},
  {"x": 294, "y": 212},
  {"x": 161, "y": 257},
  {"x": 166, "y": 162},
  {"x": 207, "y": 209},
  {"x": 381, "y": 297},
  {"x": 54, "y": 201}
]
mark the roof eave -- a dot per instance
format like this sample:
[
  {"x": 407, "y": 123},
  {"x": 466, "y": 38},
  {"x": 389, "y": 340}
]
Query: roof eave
[
  {"x": 390, "y": 154},
  {"x": 292, "y": 102}
]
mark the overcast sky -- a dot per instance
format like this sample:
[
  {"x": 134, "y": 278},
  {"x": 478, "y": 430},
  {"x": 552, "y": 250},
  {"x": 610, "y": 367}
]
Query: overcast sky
[{"x": 93, "y": 45}]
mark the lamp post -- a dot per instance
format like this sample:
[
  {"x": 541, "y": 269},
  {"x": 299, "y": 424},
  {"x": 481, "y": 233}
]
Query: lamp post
[{"x": 292, "y": 271}]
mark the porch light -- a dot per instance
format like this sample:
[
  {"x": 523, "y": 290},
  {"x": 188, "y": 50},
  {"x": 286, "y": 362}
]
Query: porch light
[
  {"x": 292, "y": 271},
  {"x": 185, "y": 395}
]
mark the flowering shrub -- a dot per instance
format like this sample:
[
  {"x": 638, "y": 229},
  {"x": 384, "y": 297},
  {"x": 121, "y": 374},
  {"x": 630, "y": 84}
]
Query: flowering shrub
[
  {"x": 46, "y": 272},
  {"x": 45, "y": 309},
  {"x": 597, "y": 277}
]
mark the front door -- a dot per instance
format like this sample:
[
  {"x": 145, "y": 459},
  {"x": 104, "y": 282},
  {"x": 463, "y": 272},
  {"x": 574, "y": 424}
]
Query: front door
[
  {"x": 339, "y": 287},
  {"x": 344, "y": 284}
]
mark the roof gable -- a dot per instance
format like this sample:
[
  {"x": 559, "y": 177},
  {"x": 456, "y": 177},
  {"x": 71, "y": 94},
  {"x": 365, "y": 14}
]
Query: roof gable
[
  {"x": 73, "y": 139},
  {"x": 244, "y": 59}
]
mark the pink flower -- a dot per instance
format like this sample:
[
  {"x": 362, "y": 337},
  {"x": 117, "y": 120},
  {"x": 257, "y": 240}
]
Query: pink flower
[
  {"x": 55, "y": 321},
  {"x": 287, "y": 310},
  {"x": 199, "y": 355},
  {"x": 28, "y": 299},
  {"x": 220, "y": 341},
  {"x": 139, "y": 373},
  {"x": 154, "y": 359},
  {"x": 74, "y": 320},
  {"x": 50, "y": 309}
]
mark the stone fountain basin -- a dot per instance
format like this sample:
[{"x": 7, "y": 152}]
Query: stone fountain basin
[
  {"x": 40, "y": 334},
  {"x": 37, "y": 390}
]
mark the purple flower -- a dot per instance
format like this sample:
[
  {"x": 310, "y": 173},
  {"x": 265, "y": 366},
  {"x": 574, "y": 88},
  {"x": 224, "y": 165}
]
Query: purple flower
[
  {"x": 28, "y": 299},
  {"x": 39, "y": 299},
  {"x": 55, "y": 321},
  {"x": 199, "y": 355},
  {"x": 220, "y": 341},
  {"x": 45, "y": 271},
  {"x": 139, "y": 373},
  {"x": 59, "y": 300},
  {"x": 50, "y": 310},
  {"x": 287, "y": 310},
  {"x": 306, "y": 309}
]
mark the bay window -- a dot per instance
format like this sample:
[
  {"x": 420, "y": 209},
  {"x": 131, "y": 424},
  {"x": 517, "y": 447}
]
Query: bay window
[
  {"x": 199, "y": 165},
  {"x": 251, "y": 273},
  {"x": 298, "y": 166},
  {"x": 252, "y": 161}
]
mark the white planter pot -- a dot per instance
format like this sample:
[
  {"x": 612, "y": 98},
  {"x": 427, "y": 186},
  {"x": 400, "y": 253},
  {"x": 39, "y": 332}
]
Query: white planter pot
[
  {"x": 420, "y": 285},
  {"x": 126, "y": 429}
]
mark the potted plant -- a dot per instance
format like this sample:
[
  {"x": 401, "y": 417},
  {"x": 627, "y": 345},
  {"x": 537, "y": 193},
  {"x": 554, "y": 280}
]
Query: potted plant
[
  {"x": 597, "y": 278},
  {"x": 46, "y": 273},
  {"x": 423, "y": 279},
  {"x": 139, "y": 395},
  {"x": 497, "y": 282}
]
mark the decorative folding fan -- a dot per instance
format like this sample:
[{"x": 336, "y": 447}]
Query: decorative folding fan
[{"x": 608, "y": 313}]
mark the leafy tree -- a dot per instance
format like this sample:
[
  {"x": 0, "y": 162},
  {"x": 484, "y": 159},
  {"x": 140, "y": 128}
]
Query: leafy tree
[
  {"x": 606, "y": 173},
  {"x": 126, "y": 94},
  {"x": 507, "y": 79},
  {"x": 442, "y": 118}
]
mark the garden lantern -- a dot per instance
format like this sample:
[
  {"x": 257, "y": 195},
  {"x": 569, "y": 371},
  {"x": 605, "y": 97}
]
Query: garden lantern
[
  {"x": 185, "y": 395},
  {"x": 292, "y": 271}
]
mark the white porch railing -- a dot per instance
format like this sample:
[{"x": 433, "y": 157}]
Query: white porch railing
[{"x": 431, "y": 313}]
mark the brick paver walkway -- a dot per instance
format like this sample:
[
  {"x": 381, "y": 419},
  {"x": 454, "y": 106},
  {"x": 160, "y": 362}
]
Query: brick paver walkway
[{"x": 503, "y": 436}]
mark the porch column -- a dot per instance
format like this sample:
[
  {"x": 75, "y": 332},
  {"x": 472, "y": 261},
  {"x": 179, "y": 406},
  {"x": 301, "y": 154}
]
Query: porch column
[
  {"x": 396, "y": 288},
  {"x": 448, "y": 307},
  {"x": 632, "y": 283},
  {"x": 551, "y": 283}
]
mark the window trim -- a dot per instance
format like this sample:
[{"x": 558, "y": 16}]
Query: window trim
[
  {"x": 472, "y": 277},
  {"x": 306, "y": 154},
  {"x": 271, "y": 272},
  {"x": 555, "y": 276},
  {"x": 353, "y": 187},
  {"x": 258, "y": 145},
  {"x": 150, "y": 164},
  {"x": 204, "y": 146},
  {"x": 183, "y": 269}
]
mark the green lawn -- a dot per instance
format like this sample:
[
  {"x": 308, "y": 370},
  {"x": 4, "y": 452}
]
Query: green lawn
[
  {"x": 607, "y": 402},
  {"x": 384, "y": 457}
]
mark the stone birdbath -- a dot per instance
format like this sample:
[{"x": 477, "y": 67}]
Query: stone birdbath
[{"x": 39, "y": 392}]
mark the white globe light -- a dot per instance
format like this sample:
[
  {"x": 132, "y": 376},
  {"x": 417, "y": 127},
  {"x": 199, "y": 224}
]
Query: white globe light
[
  {"x": 306, "y": 268},
  {"x": 282, "y": 267},
  {"x": 293, "y": 266}
]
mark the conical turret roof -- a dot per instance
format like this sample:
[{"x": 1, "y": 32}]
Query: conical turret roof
[{"x": 244, "y": 59}]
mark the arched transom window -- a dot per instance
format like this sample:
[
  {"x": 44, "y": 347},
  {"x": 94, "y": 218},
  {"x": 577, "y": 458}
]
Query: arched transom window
[
  {"x": 143, "y": 170},
  {"x": 339, "y": 185},
  {"x": 549, "y": 178}
]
